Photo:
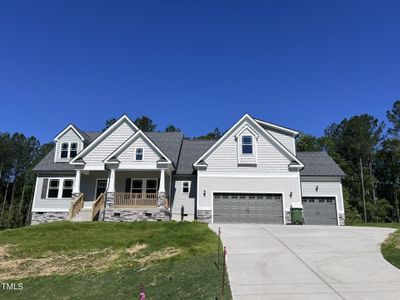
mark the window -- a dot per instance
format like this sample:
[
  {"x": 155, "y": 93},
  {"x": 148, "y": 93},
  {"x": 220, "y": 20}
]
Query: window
[
  {"x": 139, "y": 154},
  {"x": 64, "y": 150},
  {"x": 151, "y": 186},
  {"x": 67, "y": 188},
  {"x": 137, "y": 185},
  {"x": 73, "y": 150},
  {"x": 53, "y": 188},
  {"x": 185, "y": 187},
  {"x": 247, "y": 144}
]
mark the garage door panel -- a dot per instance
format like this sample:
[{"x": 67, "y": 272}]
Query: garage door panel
[
  {"x": 248, "y": 208},
  {"x": 320, "y": 210}
]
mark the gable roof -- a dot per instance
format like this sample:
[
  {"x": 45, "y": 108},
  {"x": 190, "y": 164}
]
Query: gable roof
[
  {"x": 102, "y": 136},
  {"x": 319, "y": 164},
  {"x": 294, "y": 163},
  {"x": 72, "y": 127},
  {"x": 190, "y": 152},
  {"x": 129, "y": 141}
]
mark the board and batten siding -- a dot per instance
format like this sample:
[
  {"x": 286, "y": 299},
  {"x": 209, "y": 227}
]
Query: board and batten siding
[
  {"x": 270, "y": 159},
  {"x": 42, "y": 204},
  {"x": 68, "y": 137},
  {"x": 327, "y": 187},
  {"x": 127, "y": 157},
  {"x": 94, "y": 159},
  {"x": 187, "y": 200},
  {"x": 286, "y": 140},
  {"x": 209, "y": 185}
]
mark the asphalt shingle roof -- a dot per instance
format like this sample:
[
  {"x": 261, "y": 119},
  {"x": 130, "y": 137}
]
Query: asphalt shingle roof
[
  {"x": 319, "y": 164},
  {"x": 190, "y": 152}
]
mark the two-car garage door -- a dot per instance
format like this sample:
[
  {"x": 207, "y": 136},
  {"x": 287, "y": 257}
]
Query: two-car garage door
[{"x": 248, "y": 208}]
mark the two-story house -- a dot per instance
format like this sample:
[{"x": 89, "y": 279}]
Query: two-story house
[{"x": 253, "y": 173}]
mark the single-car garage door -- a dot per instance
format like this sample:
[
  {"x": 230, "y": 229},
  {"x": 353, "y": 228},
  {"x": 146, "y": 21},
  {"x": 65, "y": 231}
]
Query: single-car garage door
[
  {"x": 320, "y": 210},
  {"x": 248, "y": 208}
]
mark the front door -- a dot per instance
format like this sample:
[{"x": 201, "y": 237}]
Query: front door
[{"x": 101, "y": 187}]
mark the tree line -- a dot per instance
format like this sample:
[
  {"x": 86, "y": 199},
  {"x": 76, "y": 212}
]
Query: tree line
[{"x": 361, "y": 145}]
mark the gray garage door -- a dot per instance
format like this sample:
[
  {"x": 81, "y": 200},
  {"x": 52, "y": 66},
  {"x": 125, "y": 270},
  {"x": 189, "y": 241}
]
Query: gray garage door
[
  {"x": 320, "y": 210},
  {"x": 248, "y": 208}
]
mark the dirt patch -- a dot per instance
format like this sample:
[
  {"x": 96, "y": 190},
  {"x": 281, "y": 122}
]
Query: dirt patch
[
  {"x": 159, "y": 255},
  {"x": 136, "y": 248},
  {"x": 4, "y": 251}
]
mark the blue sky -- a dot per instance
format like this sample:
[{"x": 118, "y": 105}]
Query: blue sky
[{"x": 195, "y": 64}]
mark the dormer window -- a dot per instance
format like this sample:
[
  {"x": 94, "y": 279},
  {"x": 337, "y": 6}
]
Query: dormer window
[
  {"x": 73, "y": 150},
  {"x": 139, "y": 154},
  {"x": 247, "y": 144},
  {"x": 64, "y": 150}
]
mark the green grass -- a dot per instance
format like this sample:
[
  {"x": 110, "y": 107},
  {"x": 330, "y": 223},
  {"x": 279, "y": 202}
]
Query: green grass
[
  {"x": 189, "y": 275},
  {"x": 390, "y": 248}
]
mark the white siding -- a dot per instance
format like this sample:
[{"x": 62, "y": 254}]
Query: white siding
[
  {"x": 327, "y": 187},
  {"x": 270, "y": 159},
  {"x": 286, "y": 140},
  {"x": 94, "y": 159},
  {"x": 127, "y": 158},
  {"x": 283, "y": 185},
  {"x": 184, "y": 199},
  {"x": 67, "y": 137},
  {"x": 41, "y": 204}
]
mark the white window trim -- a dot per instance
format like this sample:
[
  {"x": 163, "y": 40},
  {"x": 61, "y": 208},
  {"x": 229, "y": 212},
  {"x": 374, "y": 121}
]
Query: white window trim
[
  {"x": 60, "y": 186},
  {"x": 189, "y": 186},
  {"x": 246, "y": 131},
  {"x": 136, "y": 148},
  {"x": 69, "y": 150},
  {"x": 144, "y": 184},
  {"x": 252, "y": 145}
]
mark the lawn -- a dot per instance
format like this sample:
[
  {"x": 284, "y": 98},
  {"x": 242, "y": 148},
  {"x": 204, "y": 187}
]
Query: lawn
[
  {"x": 390, "y": 248},
  {"x": 64, "y": 260}
]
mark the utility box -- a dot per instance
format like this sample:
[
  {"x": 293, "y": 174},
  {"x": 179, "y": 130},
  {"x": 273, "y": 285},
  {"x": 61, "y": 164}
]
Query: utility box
[{"x": 296, "y": 214}]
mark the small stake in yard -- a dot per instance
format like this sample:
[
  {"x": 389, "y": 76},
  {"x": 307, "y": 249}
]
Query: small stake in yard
[
  {"x": 219, "y": 244},
  {"x": 142, "y": 295},
  {"x": 223, "y": 275}
]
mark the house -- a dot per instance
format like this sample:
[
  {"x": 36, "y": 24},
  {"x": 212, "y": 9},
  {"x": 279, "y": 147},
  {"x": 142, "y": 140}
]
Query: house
[{"x": 253, "y": 173}]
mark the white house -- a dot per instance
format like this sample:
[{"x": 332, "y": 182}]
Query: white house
[{"x": 252, "y": 174}]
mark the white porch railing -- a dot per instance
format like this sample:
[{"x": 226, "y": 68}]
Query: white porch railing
[{"x": 136, "y": 200}]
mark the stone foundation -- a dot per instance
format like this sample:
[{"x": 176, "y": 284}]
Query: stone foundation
[
  {"x": 341, "y": 219},
  {"x": 204, "y": 216},
  {"x": 134, "y": 214},
  {"x": 48, "y": 217},
  {"x": 288, "y": 217}
]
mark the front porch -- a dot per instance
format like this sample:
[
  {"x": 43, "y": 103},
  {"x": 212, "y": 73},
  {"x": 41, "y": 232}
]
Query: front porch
[{"x": 126, "y": 195}]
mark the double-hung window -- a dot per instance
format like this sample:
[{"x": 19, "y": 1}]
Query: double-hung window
[
  {"x": 139, "y": 154},
  {"x": 73, "y": 151},
  {"x": 247, "y": 144},
  {"x": 54, "y": 185},
  {"x": 60, "y": 188},
  {"x": 185, "y": 187},
  {"x": 67, "y": 188},
  {"x": 64, "y": 150}
]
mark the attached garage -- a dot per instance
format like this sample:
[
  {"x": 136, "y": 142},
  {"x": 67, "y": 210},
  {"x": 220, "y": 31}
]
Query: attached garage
[
  {"x": 320, "y": 210},
  {"x": 248, "y": 208}
]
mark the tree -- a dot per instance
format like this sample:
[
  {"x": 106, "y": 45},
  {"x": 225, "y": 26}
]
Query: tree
[
  {"x": 393, "y": 116},
  {"x": 306, "y": 142},
  {"x": 109, "y": 123},
  {"x": 172, "y": 128},
  {"x": 213, "y": 135},
  {"x": 146, "y": 124}
]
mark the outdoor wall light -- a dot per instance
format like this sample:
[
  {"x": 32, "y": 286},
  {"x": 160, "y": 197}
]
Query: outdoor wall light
[
  {"x": 204, "y": 193},
  {"x": 316, "y": 188},
  {"x": 291, "y": 194}
]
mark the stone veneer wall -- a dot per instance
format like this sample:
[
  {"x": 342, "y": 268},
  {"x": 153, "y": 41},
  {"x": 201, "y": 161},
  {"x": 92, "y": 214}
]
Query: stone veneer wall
[
  {"x": 341, "y": 219},
  {"x": 204, "y": 216},
  {"x": 48, "y": 217},
  {"x": 134, "y": 214}
]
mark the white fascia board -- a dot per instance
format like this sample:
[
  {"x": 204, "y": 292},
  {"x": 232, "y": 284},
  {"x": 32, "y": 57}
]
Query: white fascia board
[
  {"x": 128, "y": 142},
  {"x": 72, "y": 127},
  {"x": 274, "y": 126},
  {"x": 104, "y": 134},
  {"x": 244, "y": 129},
  {"x": 261, "y": 129}
]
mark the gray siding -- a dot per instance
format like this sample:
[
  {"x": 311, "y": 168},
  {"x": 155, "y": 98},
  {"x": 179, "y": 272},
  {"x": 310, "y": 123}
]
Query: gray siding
[
  {"x": 68, "y": 137},
  {"x": 188, "y": 200},
  {"x": 127, "y": 158},
  {"x": 285, "y": 140},
  {"x": 94, "y": 159}
]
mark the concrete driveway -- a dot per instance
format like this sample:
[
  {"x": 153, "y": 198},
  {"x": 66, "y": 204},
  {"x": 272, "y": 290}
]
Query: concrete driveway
[{"x": 308, "y": 262}]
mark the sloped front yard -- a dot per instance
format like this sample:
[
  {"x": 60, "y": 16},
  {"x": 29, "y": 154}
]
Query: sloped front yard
[{"x": 110, "y": 261}]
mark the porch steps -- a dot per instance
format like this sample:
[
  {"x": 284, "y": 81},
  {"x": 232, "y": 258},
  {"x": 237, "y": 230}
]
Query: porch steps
[{"x": 85, "y": 214}]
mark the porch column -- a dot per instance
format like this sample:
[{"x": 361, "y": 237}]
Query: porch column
[
  {"x": 76, "y": 190},
  {"x": 111, "y": 185},
  {"x": 161, "y": 189}
]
